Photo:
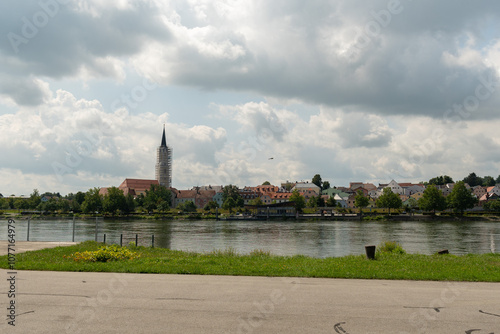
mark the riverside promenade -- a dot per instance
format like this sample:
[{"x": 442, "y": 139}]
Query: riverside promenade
[{"x": 81, "y": 302}]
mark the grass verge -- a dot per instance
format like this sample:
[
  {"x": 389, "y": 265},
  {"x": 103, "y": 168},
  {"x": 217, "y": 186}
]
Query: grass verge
[{"x": 484, "y": 267}]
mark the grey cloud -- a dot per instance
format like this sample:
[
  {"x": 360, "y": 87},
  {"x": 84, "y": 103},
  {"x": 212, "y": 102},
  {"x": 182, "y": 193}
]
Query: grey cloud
[
  {"x": 400, "y": 71},
  {"x": 68, "y": 41}
]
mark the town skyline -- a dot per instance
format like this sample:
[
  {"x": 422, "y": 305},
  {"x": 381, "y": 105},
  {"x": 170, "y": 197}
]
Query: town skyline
[{"x": 248, "y": 91}]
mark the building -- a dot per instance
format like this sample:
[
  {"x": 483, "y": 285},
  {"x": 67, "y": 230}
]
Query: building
[
  {"x": 163, "y": 169},
  {"x": 135, "y": 187}
]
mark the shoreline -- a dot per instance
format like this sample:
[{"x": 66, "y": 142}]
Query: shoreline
[{"x": 493, "y": 217}]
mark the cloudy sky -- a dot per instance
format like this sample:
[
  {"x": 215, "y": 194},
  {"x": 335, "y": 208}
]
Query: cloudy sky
[{"x": 353, "y": 90}]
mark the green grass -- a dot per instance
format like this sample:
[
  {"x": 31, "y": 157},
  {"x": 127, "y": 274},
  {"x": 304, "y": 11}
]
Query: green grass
[{"x": 485, "y": 267}]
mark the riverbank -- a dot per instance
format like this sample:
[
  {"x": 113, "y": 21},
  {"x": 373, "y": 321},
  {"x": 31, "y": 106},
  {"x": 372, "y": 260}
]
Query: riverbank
[
  {"x": 476, "y": 216},
  {"x": 474, "y": 268}
]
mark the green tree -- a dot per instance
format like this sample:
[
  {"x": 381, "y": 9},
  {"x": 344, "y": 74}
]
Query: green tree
[
  {"x": 80, "y": 197},
  {"x": 233, "y": 192},
  {"x": 156, "y": 196},
  {"x": 488, "y": 181},
  {"x": 317, "y": 181},
  {"x": 432, "y": 199},
  {"x": 492, "y": 205},
  {"x": 256, "y": 201},
  {"x": 473, "y": 180},
  {"x": 326, "y": 185},
  {"x": 21, "y": 204},
  {"x": 298, "y": 200},
  {"x": 498, "y": 179},
  {"x": 460, "y": 198},
  {"x": 114, "y": 201},
  {"x": 441, "y": 180},
  {"x": 361, "y": 201},
  {"x": 320, "y": 201},
  {"x": 331, "y": 202},
  {"x": 92, "y": 201},
  {"x": 4, "y": 204},
  {"x": 229, "y": 204},
  {"x": 312, "y": 202},
  {"x": 35, "y": 199},
  {"x": 389, "y": 200},
  {"x": 266, "y": 183},
  {"x": 411, "y": 205},
  {"x": 211, "y": 205},
  {"x": 189, "y": 206}
]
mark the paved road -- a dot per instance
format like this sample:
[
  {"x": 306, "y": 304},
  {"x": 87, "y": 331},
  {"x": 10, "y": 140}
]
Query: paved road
[
  {"x": 25, "y": 246},
  {"x": 61, "y": 302}
]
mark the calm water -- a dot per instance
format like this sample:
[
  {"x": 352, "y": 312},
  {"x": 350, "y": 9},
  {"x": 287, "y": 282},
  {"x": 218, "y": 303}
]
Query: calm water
[{"x": 317, "y": 239}]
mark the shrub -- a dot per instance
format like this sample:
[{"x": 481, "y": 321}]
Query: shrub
[
  {"x": 105, "y": 254},
  {"x": 391, "y": 247},
  {"x": 260, "y": 253}
]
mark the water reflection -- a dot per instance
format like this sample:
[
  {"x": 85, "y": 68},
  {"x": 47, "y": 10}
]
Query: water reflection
[{"x": 313, "y": 238}]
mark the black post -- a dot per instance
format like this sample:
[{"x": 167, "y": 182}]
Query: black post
[
  {"x": 104, "y": 240},
  {"x": 136, "y": 240},
  {"x": 28, "y": 236},
  {"x": 370, "y": 252},
  {"x": 153, "y": 241},
  {"x": 121, "y": 240}
]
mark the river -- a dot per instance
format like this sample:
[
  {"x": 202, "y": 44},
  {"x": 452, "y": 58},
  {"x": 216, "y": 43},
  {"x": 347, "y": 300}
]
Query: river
[{"x": 312, "y": 238}]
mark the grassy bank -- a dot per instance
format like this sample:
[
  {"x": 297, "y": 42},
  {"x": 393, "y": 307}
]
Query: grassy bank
[{"x": 484, "y": 267}]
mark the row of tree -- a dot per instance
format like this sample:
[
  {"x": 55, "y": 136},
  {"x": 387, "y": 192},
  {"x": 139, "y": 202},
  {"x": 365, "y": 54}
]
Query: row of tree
[{"x": 459, "y": 200}]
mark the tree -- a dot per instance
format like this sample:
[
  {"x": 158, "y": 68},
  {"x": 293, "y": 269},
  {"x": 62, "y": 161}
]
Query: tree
[
  {"x": 35, "y": 199},
  {"x": 92, "y": 202},
  {"x": 432, "y": 199},
  {"x": 473, "y": 180},
  {"x": 211, "y": 205},
  {"x": 4, "y": 204},
  {"x": 441, "y": 180},
  {"x": 326, "y": 185},
  {"x": 266, "y": 183},
  {"x": 361, "y": 201},
  {"x": 331, "y": 202},
  {"x": 320, "y": 201},
  {"x": 188, "y": 206},
  {"x": 498, "y": 179},
  {"x": 21, "y": 204},
  {"x": 80, "y": 197},
  {"x": 492, "y": 205},
  {"x": 488, "y": 181},
  {"x": 461, "y": 198},
  {"x": 312, "y": 202},
  {"x": 298, "y": 200},
  {"x": 156, "y": 196},
  {"x": 114, "y": 201},
  {"x": 233, "y": 192},
  {"x": 229, "y": 204},
  {"x": 411, "y": 205},
  {"x": 389, "y": 200},
  {"x": 256, "y": 201},
  {"x": 317, "y": 181}
]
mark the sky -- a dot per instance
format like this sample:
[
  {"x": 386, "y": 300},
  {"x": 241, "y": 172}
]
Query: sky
[{"x": 249, "y": 91}]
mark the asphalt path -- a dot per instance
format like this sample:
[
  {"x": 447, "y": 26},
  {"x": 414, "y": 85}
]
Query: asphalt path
[{"x": 68, "y": 302}]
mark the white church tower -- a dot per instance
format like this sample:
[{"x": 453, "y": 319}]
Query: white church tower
[{"x": 164, "y": 163}]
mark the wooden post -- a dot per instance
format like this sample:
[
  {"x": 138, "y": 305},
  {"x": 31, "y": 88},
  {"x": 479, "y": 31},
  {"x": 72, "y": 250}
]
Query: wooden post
[
  {"x": 73, "y": 238},
  {"x": 153, "y": 241},
  {"x": 104, "y": 239},
  {"x": 28, "y": 236},
  {"x": 136, "y": 240},
  {"x": 121, "y": 240}
]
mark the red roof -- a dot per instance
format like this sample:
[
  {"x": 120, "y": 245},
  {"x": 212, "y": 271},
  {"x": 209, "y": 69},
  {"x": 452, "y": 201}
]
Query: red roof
[{"x": 137, "y": 185}]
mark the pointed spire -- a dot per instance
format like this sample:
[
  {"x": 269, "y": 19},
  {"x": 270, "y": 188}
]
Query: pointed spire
[{"x": 163, "y": 138}]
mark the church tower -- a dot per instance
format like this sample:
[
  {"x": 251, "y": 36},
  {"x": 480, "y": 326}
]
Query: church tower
[{"x": 163, "y": 168}]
